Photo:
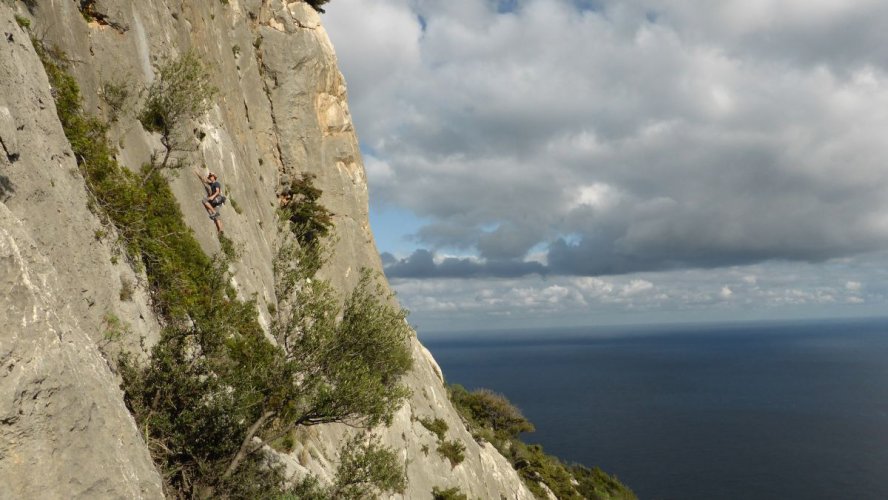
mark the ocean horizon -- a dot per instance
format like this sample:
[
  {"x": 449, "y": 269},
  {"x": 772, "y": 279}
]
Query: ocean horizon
[{"x": 789, "y": 409}]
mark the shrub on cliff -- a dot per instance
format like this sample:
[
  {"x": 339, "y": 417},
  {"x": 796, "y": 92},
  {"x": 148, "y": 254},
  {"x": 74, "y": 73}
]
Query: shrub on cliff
[
  {"x": 448, "y": 494},
  {"x": 309, "y": 222},
  {"x": 181, "y": 92},
  {"x": 490, "y": 410},
  {"x": 490, "y": 416}
]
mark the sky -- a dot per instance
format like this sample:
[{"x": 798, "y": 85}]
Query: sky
[{"x": 537, "y": 163}]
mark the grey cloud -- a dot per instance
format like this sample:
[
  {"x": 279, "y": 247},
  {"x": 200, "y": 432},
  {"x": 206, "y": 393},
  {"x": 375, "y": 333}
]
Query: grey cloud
[
  {"x": 708, "y": 135},
  {"x": 508, "y": 242},
  {"x": 387, "y": 258},
  {"x": 841, "y": 35},
  {"x": 447, "y": 234},
  {"x": 421, "y": 264}
]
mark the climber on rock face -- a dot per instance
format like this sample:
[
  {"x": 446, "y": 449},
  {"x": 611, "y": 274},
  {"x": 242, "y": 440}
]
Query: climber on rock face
[{"x": 214, "y": 198}]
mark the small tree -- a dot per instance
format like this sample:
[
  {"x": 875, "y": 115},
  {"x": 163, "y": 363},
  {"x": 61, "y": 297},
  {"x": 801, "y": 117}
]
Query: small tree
[
  {"x": 180, "y": 92},
  {"x": 311, "y": 220}
]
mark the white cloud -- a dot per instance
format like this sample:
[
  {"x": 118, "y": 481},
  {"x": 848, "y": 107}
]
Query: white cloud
[
  {"x": 659, "y": 135},
  {"x": 678, "y": 140},
  {"x": 636, "y": 287}
]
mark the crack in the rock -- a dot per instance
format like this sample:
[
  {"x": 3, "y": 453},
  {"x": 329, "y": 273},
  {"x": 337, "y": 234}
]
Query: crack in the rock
[
  {"x": 12, "y": 157},
  {"x": 276, "y": 130}
]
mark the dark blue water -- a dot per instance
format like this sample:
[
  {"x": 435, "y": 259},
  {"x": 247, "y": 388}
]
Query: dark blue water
[{"x": 764, "y": 411}]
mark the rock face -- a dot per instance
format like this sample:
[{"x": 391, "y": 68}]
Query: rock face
[{"x": 281, "y": 111}]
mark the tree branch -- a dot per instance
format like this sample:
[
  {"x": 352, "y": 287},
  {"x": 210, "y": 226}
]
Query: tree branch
[{"x": 245, "y": 450}]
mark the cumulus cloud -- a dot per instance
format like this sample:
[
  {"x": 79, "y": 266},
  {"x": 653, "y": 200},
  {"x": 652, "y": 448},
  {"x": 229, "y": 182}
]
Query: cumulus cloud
[{"x": 622, "y": 136}]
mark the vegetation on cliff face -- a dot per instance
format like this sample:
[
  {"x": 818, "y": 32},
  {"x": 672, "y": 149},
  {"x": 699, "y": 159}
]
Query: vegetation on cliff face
[
  {"x": 214, "y": 388},
  {"x": 181, "y": 92},
  {"x": 491, "y": 417}
]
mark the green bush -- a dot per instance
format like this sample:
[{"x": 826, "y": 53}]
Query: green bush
[
  {"x": 228, "y": 248},
  {"x": 437, "y": 426},
  {"x": 489, "y": 410},
  {"x": 367, "y": 469},
  {"x": 596, "y": 484},
  {"x": 448, "y": 494},
  {"x": 492, "y": 417},
  {"x": 116, "y": 96},
  {"x": 310, "y": 221},
  {"x": 181, "y": 92},
  {"x": 453, "y": 451},
  {"x": 114, "y": 327},
  {"x": 535, "y": 467}
]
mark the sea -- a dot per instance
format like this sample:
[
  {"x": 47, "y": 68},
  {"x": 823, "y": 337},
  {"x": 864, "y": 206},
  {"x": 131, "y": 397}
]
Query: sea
[{"x": 788, "y": 410}]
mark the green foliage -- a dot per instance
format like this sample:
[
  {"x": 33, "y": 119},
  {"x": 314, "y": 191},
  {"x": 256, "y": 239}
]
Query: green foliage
[
  {"x": 180, "y": 92},
  {"x": 22, "y": 21},
  {"x": 535, "y": 467},
  {"x": 310, "y": 221},
  {"x": 114, "y": 327},
  {"x": 352, "y": 366},
  {"x": 213, "y": 381},
  {"x": 448, "y": 494},
  {"x": 366, "y": 469},
  {"x": 309, "y": 488},
  {"x": 116, "y": 95},
  {"x": 453, "y": 451},
  {"x": 437, "y": 426},
  {"x": 598, "y": 485},
  {"x": 492, "y": 417},
  {"x": 116, "y": 196},
  {"x": 228, "y": 249},
  {"x": 489, "y": 410},
  {"x": 235, "y": 206}
]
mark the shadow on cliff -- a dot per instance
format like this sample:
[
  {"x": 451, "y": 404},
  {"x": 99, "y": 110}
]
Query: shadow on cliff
[{"x": 6, "y": 188}]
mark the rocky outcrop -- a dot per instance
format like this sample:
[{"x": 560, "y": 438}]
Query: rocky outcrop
[
  {"x": 64, "y": 429},
  {"x": 281, "y": 111}
]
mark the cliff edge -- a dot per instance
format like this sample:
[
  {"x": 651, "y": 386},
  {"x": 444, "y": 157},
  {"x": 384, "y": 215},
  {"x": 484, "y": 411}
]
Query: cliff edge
[{"x": 69, "y": 303}]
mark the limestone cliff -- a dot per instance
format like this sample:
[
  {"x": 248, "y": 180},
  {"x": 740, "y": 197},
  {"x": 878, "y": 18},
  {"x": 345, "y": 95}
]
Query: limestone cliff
[{"x": 282, "y": 111}]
